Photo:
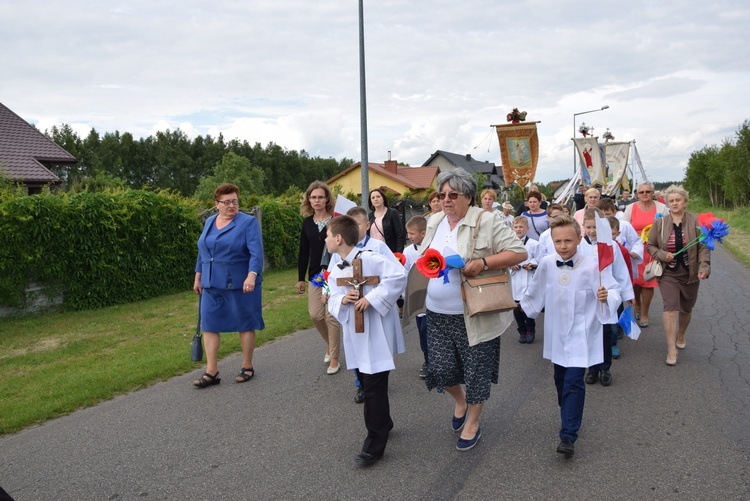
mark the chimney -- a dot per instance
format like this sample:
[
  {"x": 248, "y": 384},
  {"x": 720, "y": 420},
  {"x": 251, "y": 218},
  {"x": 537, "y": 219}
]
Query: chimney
[
  {"x": 468, "y": 157},
  {"x": 391, "y": 165}
]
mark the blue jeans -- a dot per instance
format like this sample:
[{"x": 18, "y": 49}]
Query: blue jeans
[{"x": 571, "y": 395}]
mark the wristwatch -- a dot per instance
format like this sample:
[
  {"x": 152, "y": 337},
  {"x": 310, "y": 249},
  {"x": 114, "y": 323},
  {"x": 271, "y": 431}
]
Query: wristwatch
[{"x": 485, "y": 264}]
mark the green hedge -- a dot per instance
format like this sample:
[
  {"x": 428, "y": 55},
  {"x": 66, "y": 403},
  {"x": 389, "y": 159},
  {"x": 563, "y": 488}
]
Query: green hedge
[
  {"x": 100, "y": 249},
  {"x": 96, "y": 249}
]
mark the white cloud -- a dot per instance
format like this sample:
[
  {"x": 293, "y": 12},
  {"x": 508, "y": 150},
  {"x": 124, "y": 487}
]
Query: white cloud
[{"x": 674, "y": 74}]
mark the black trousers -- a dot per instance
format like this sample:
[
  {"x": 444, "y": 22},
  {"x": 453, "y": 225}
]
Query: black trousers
[{"x": 377, "y": 411}]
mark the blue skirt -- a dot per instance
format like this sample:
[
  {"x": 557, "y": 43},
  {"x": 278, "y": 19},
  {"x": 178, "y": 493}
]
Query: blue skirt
[{"x": 231, "y": 310}]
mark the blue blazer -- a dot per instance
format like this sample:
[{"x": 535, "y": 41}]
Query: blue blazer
[{"x": 237, "y": 250}]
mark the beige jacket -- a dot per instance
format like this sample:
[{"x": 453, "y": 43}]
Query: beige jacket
[
  {"x": 699, "y": 257},
  {"x": 494, "y": 237}
]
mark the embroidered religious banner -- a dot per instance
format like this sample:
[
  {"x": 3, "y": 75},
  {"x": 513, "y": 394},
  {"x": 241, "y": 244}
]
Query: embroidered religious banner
[
  {"x": 591, "y": 158},
  {"x": 616, "y": 158},
  {"x": 519, "y": 151}
]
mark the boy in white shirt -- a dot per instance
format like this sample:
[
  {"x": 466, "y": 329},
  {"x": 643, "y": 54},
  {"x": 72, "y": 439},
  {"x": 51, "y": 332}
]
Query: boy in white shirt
[
  {"x": 521, "y": 276},
  {"x": 588, "y": 246},
  {"x": 628, "y": 236},
  {"x": 545, "y": 239},
  {"x": 568, "y": 285}
]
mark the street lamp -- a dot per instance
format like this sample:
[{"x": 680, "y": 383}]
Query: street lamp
[{"x": 605, "y": 107}]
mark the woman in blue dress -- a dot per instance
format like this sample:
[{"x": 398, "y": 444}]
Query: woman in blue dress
[{"x": 228, "y": 276}]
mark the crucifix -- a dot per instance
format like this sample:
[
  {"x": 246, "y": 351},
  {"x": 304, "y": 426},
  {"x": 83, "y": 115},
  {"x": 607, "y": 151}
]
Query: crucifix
[{"x": 357, "y": 281}]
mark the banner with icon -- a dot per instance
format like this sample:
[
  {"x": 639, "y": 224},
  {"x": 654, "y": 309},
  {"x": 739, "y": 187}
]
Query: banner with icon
[
  {"x": 591, "y": 157},
  {"x": 616, "y": 158},
  {"x": 519, "y": 151}
]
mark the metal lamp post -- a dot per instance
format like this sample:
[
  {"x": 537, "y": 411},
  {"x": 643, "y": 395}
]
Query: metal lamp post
[{"x": 605, "y": 107}]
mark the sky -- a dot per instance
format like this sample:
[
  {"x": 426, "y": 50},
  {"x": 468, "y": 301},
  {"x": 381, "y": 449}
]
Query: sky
[{"x": 675, "y": 74}]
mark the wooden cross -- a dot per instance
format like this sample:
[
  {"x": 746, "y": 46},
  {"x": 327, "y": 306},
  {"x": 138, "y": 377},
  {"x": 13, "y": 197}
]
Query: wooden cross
[{"x": 357, "y": 281}]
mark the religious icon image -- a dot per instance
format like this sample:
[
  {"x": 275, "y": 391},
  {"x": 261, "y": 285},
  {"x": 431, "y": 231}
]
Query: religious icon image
[{"x": 519, "y": 152}]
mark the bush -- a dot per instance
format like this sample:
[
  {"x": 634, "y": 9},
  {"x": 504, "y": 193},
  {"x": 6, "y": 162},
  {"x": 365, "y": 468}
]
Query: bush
[{"x": 97, "y": 249}]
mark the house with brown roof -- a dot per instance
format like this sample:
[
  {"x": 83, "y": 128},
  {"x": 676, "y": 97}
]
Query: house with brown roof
[
  {"x": 393, "y": 178},
  {"x": 26, "y": 155}
]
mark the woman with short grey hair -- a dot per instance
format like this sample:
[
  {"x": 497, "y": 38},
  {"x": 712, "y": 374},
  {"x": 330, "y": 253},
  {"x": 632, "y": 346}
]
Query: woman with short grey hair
[
  {"x": 683, "y": 270},
  {"x": 462, "y": 349}
]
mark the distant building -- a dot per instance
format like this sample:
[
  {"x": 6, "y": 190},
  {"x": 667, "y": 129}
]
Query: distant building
[
  {"x": 393, "y": 178},
  {"x": 26, "y": 154},
  {"x": 492, "y": 175}
]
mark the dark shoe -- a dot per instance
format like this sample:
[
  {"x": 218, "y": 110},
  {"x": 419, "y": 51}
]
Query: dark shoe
[
  {"x": 457, "y": 423},
  {"x": 367, "y": 459},
  {"x": 464, "y": 444},
  {"x": 642, "y": 324},
  {"x": 605, "y": 378},
  {"x": 523, "y": 338},
  {"x": 566, "y": 447},
  {"x": 423, "y": 371},
  {"x": 207, "y": 380},
  {"x": 359, "y": 398},
  {"x": 530, "y": 337},
  {"x": 245, "y": 375},
  {"x": 591, "y": 377}
]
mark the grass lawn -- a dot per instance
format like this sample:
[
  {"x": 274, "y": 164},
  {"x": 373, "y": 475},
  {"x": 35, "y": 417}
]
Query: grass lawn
[{"x": 55, "y": 363}]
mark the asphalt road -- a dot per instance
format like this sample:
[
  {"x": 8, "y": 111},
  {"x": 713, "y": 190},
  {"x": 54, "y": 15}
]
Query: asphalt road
[{"x": 657, "y": 433}]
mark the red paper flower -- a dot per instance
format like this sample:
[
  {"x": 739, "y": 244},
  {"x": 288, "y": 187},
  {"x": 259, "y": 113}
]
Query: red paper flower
[
  {"x": 431, "y": 263},
  {"x": 326, "y": 273},
  {"x": 707, "y": 219},
  {"x": 401, "y": 258}
]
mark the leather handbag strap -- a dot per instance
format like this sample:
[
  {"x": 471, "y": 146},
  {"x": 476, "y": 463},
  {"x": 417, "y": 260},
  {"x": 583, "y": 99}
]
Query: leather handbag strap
[{"x": 198, "y": 328}]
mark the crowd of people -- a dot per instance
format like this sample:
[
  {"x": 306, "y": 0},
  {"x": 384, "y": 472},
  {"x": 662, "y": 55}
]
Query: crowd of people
[{"x": 553, "y": 259}]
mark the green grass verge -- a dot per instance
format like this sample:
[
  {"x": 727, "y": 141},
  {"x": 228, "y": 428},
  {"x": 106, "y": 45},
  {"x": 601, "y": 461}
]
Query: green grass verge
[{"x": 55, "y": 363}]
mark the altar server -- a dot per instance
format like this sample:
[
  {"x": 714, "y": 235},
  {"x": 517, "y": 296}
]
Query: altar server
[
  {"x": 577, "y": 298},
  {"x": 372, "y": 351}
]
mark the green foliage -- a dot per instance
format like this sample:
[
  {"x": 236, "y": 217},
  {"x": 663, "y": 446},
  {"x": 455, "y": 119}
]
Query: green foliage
[
  {"x": 721, "y": 174},
  {"x": 100, "y": 182},
  {"x": 281, "y": 226},
  {"x": 170, "y": 160},
  {"x": 9, "y": 189},
  {"x": 232, "y": 169},
  {"x": 96, "y": 249}
]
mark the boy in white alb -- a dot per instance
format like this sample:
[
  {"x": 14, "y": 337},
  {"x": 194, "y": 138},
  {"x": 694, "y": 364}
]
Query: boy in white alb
[
  {"x": 588, "y": 247},
  {"x": 521, "y": 276},
  {"x": 628, "y": 236},
  {"x": 567, "y": 285},
  {"x": 371, "y": 351},
  {"x": 359, "y": 214},
  {"x": 415, "y": 231},
  {"x": 546, "y": 246}
]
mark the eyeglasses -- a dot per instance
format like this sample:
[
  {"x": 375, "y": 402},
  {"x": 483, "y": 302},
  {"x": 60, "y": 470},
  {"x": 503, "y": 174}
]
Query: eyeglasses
[
  {"x": 318, "y": 198},
  {"x": 228, "y": 202},
  {"x": 452, "y": 195},
  {"x": 644, "y": 192}
]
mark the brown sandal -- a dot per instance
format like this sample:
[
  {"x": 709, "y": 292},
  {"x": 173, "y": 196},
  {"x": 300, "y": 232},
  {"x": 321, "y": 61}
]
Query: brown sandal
[
  {"x": 207, "y": 380},
  {"x": 243, "y": 376}
]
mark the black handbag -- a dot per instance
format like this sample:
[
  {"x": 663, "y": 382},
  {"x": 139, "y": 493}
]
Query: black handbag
[{"x": 196, "y": 349}]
